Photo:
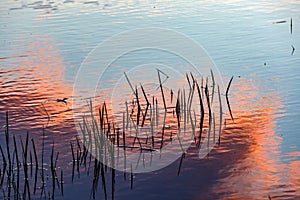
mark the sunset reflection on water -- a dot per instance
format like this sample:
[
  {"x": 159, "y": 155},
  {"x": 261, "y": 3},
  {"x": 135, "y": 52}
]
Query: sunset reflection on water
[
  {"x": 34, "y": 81},
  {"x": 254, "y": 143},
  {"x": 43, "y": 44},
  {"x": 250, "y": 146}
]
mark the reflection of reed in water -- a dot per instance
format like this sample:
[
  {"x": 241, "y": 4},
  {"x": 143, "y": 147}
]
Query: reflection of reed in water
[
  {"x": 145, "y": 127},
  {"x": 21, "y": 170}
]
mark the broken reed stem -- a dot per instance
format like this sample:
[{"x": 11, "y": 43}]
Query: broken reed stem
[
  {"x": 161, "y": 89},
  {"x": 178, "y": 109},
  {"x": 163, "y": 130},
  {"x": 25, "y": 166},
  {"x": 156, "y": 113},
  {"x": 192, "y": 77},
  {"x": 180, "y": 164},
  {"x": 56, "y": 158},
  {"x": 52, "y": 170},
  {"x": 43, "y": 176},
  {"x": 291, "y": 25},
  {"x": 79, "y": 147},
  {"x": 62, "y": 182},
  {"x": 191, "y": 97},
  {"x": 123, "y": 132},
  {"x": 193, "y": 124},
  {"x": 144, "y": 93},
  {"x": 152, "y": 125},
  {"x": 129, "y": 83},
  {"x": 103, "y": 180},
  {"x": 73, "y": 155},
  {"x": 213, "y": 86},
  {"x": 127, "y": 115},
  {"x": 31, "y": 163},
  {"x": 7, "y": 147},
  {"x": 190, "y": 90},
  {"x": 113, "y": 175},
  {"x": 187, "y": 77},
  {"x": 3, "y": 156},
  {"x": 209, "y": 113},
  {"x": 106, "y": 113},
  {"x": 184, "y": 109},
  {"x": 227, "y": 100},
  {"x": 18, "y": 163},
  {"x": 4, "y": 167},
  {"x": 214, "y": 128},
  {"x": 131, "y": 177},
  {"x": 101, "y": 117},
  {"x": 221, "y": 115},
  {"x": 139, "y": 107},
  {"x": 148, "y": 104},
  {"x": 202, "y": 113},
  {"x": 191, "y": 93}
]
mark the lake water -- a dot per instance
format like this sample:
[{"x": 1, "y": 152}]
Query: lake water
[{"x": 43, "y": 44}]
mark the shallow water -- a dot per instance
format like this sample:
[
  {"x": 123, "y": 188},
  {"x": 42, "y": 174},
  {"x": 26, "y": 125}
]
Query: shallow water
[{"x": 43, "y": 44}]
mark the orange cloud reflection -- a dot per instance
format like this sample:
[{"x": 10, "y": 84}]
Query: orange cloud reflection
[
  {"x": 34, "y": 81},
  {"x": 258, "y": 169}
]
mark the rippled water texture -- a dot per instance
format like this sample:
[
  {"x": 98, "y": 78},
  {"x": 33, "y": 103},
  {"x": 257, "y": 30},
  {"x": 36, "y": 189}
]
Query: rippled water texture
[{"x": 43, "y": 43}]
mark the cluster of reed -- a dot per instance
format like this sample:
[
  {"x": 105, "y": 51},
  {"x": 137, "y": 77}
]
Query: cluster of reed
[
  {"x": 82, "y": 160},
  {"x": 24, "y": 172},
  {"x": 147, "y": 124}
]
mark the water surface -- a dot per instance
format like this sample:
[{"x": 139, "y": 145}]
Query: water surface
[{"x": 43, "y": 43}]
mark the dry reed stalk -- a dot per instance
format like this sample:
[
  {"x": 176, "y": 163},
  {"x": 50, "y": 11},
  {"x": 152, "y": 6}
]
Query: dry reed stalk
[
  {"x": 227, "y": 100},
  {"x": 161, "y": 89}
]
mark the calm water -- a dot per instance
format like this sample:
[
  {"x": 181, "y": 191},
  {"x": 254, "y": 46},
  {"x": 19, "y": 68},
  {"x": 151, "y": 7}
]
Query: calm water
[{"x": 43, "y": 43}]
